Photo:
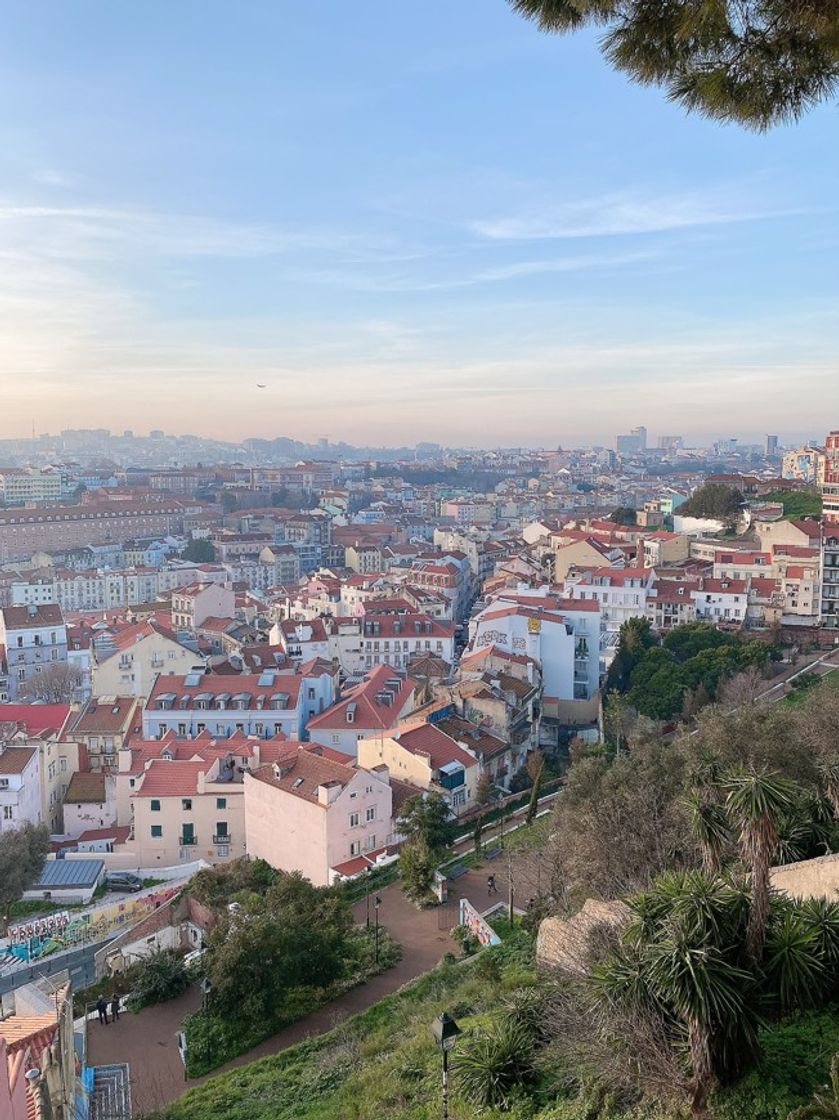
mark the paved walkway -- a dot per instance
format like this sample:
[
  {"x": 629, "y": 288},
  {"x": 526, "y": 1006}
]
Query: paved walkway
[{"x": 147, "y": 1040}]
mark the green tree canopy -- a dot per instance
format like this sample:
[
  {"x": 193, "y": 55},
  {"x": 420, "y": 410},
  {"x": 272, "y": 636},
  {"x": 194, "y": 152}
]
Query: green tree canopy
[
  {"x": 755, "y": 62},
  {"x": 22, "y": 854},
  {"x": 427, "y": 817},
  {"x": 199, "y": 551},
  {"x": 714, "y": 500}
]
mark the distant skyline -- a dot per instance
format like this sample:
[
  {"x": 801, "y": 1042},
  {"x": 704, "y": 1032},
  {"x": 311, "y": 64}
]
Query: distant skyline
[{"x": 409, "y": 223}]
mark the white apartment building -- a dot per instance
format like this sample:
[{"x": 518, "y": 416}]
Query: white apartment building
[
  {"x": 20, "y": 787},
  {"x": 621, "y": 593}
]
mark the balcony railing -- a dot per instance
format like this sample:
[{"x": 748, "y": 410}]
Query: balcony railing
[
  {"x": 188, "y": 841},
  {"x": 222, "y": 838}
]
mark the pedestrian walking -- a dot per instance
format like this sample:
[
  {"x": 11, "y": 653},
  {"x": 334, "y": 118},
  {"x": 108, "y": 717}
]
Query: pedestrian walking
[
  {"x": 115, "y": 1008},
  {"x": 102, "y": 1008},
  {"x": 491, "y": 887}
]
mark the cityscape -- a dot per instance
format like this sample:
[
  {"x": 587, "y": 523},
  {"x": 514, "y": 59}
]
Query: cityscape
[{"x": 436, "y": 712}]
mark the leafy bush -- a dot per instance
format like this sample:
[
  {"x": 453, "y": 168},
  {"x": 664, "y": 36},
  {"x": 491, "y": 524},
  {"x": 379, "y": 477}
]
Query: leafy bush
[
  {"x": 158, "y": 977},
  {"x": 490, "y": 1065}
]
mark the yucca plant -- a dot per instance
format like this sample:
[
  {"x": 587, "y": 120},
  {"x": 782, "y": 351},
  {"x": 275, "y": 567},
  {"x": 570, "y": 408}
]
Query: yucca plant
[
  {"x": 488, "y": 1065},
  {"x": 757, "y": 801}
]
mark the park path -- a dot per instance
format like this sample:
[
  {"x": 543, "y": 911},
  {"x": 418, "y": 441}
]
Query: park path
[{"x": 146, "y": 1041}]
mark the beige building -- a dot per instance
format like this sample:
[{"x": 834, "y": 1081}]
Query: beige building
[
  {"x": 90, "y": 802},
  {"x": 136, "y": 656},
  {"x": 189, "y": 809},
  {"x": 197, "y": 602},
  {"x": 428, "y": 759},
  {"x": 585, "y": 553},
  {"x": 29, "y": 484},
  {"x": 665, "y": 548},
  {"x": 43, "y": 726},
  {"x": 101, "y": 729}
]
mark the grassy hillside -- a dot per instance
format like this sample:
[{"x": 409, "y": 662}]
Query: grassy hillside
[{"x": 383, "y": 1063}]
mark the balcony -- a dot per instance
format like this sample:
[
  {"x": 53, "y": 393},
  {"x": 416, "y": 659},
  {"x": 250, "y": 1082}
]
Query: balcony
[
  {"x": 221, "y": 838},
  {"x": 188, "y": 841}
]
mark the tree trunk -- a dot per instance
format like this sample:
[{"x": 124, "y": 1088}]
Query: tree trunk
[
  {"x": 702, "y": 1066},
  {"x": 759, "y": 910}
]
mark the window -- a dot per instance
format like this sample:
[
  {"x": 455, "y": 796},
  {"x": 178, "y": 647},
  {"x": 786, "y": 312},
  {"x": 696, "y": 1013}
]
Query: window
[
  {"x": 371, "y": 813},
  {"x": 7, "y": 812},
  {"x": 63, "y": 765},
  {"x": 221, "y": 828},
  {"x": 186, "y": 804},
  {"x": 155, "y": 806},
  {"x": 355, "y": 848},
  {"x": 354, "y": 819},
  {"x": 156, "y": 831},
  {"x": 221, "y": 802}
]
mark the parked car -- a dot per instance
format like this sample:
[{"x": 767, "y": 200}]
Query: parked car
[{"x": 125, "y": 881}]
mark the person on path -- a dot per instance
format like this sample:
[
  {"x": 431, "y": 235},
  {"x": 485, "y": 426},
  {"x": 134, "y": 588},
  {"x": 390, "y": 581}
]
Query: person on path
[
  {"x": 491, "y": 887},
  {"x": 115, "y": 1008},
  {"x": 102, "y": 1008}
]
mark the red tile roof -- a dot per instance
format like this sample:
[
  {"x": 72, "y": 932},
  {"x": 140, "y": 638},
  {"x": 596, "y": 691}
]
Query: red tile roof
[
  {"x": 14, "y": 760},
  {"x": 35, "y": 718},
  {"x": 438, "y": 747},
  {"x": 303, "y": 773},
  {"x": 24, "y": 618},
  {"x": 369, "y": 707}
]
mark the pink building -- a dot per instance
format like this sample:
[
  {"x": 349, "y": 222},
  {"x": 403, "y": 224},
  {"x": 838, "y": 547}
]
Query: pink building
[{"x": 310, "y": 813}]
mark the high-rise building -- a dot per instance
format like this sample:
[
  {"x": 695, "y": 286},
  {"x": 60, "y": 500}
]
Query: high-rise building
[
  {"x": 633, "y": 443},
  {"x": 771, "y": 447},
  {"x": 829, "y": 477},
  {"x": 670, "y": 443}
]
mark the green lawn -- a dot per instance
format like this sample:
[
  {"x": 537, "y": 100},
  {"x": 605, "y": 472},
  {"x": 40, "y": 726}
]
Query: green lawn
[{"x": 798, "y": 695}]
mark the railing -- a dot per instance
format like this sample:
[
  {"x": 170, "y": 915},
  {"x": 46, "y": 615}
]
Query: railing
[
  {"x": 188, "y": 841},
  {"x": 222, "y": 838}
]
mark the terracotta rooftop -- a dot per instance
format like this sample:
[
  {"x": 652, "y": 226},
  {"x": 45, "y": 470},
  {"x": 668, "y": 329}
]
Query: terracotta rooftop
[{"x": 86, "y": 787}]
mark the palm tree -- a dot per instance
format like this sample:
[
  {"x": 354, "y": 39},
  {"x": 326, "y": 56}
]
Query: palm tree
[
  {"x": 676, "y": 963},
  {"x": 709, "y": 821},
  {"x": 822, "y": 1106},
  {"x": 829, "y": 774},
  {"x": 756, "y": 802}
]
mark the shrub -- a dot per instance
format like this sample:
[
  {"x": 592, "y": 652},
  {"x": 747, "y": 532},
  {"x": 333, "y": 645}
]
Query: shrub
[
  {"x": 490, "y": 1065},
  {"x": 158, "y": 977}
]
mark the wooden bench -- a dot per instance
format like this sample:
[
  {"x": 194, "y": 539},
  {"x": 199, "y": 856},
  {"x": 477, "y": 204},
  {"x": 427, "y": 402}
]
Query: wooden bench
[
  {"x": 456, "y": 870},
  {"x": 491, "y": 853}
]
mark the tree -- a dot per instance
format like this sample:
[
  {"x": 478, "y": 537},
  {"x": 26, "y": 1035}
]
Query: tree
[
  {"x": 416, "y": 868},
  {"x": 199, "y": 551},
  {"x": 292, "y": 936},
  {"x": 756, "y": 801},
  {"x": 536, "y": 769},
  {"x": 483, "y": 790},
  {"x": 635, "y": 638},
  {"x": 22, "y": 854},
  {"x": 427, "y": 817},
  {"x": 229, "y": 501},
  {"x": 478, "y": 834},
  {"x": 490, "y": 1064},
  {"x": 57, "y": 683},
  {"x": 753, "y": 62},
  {"x": 710, "y": 826},
  {"x": 160, "y": 976},
  {"x": 623, "y": 515},
  {"x": 714, "y": 500}
]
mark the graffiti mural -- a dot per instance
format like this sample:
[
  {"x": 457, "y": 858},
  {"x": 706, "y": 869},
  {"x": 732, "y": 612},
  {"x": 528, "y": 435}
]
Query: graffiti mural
[{"x": 477, "y": 925}]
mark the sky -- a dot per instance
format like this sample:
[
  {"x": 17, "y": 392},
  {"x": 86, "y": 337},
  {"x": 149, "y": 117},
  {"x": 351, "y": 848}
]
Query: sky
[{"x": 408, "y": 221}]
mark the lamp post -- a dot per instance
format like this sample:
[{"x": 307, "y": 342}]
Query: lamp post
[
  {"x": 445, "y": 1031},
  {"x": 376, "y": 904}
]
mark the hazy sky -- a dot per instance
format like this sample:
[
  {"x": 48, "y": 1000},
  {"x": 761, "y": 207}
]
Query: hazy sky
[{"x": 410, "y": 220}]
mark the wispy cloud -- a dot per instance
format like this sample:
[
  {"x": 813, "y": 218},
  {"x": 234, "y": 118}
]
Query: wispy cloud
[
  {"x": 81, "y": 232},
  {"x": 619, "y": 214}
]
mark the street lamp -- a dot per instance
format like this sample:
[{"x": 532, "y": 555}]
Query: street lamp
[
  {"x": 445, "y": 1031},
  {"x": 376, "y": 904}
]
